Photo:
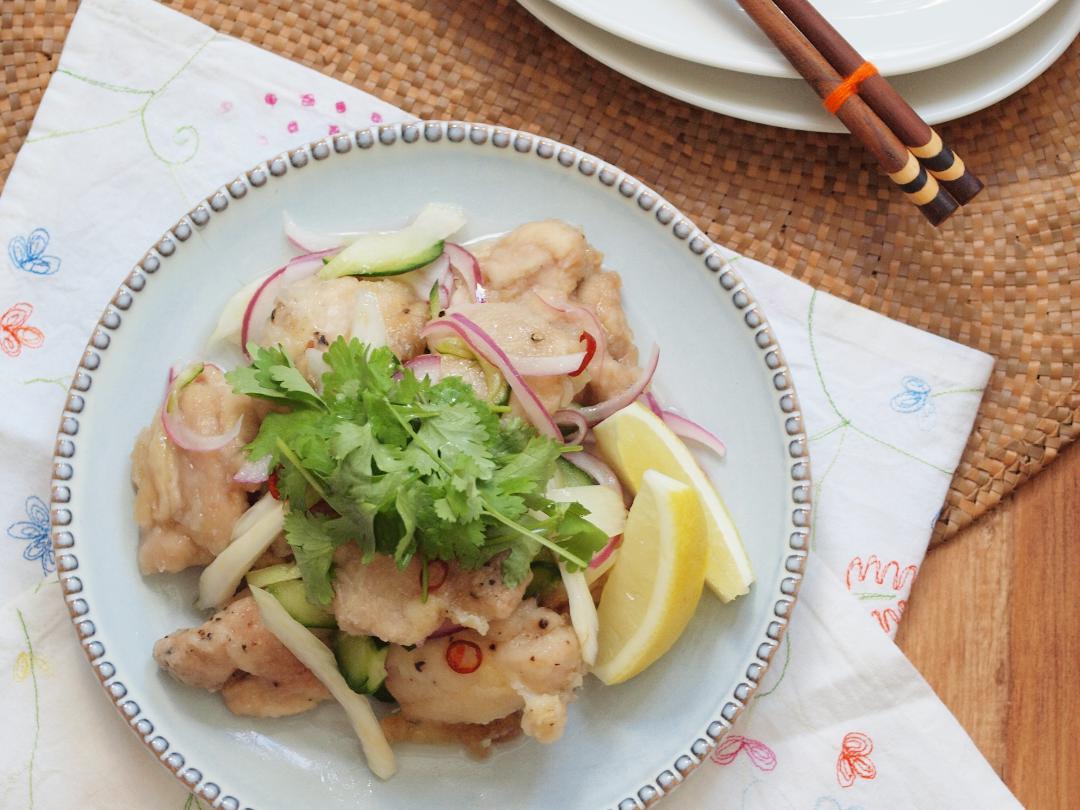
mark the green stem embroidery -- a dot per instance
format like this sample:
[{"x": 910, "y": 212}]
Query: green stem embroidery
[
  {"x": 37, "y": 708},
  {"x": 183, "y": 136},
  {"x": 63, "y": 133},
  {"x": 58, "y": 381},
  {"x": 818, "y": 488},
  {"x": 956, "y": 391},
  {"x": 845, "y": 422},
  {"x": 116, "y": 88},
  {"x": 783, "y": 670},
  {"x": 875, "y": 596}
]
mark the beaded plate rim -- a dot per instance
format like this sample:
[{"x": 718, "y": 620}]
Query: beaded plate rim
[{"x": 717, "y": 260}]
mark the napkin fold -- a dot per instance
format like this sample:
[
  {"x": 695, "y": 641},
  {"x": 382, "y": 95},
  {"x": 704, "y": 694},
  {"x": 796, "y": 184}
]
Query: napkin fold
[{"x": 147, "y": 112}]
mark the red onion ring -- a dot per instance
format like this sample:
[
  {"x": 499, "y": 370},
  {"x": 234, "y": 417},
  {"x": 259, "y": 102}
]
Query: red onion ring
[
  {"x": 485, "y": 346},
  {"x": 568, "y": 416},
  {"x": 426, "y": 365},
  {"x": 184, "y": 437},
  {"x": 261, "y": 304},
  {"x": 469, "y": 269},
  {"x": 551, "y": 366},
  {"x": 311, "y": 241},
  {"x": 602, "y": 410},
  {"x": 582, "y": 313},
  {"x": 445, "y": 629},
  {"x": 688, "y": 429},
  {"x": 602, "y": 555}
]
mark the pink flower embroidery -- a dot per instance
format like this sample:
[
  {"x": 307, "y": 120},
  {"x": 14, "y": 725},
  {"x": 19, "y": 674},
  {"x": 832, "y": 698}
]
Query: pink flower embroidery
[
  {"x": 262, "y": 140},
  {"x": 293, "y": 126},
  {"x": 376, "y": 118},
  {"x": 307, "y": 100},
  {"x": 270, "y": 99},
  {"x": 340, "y": 106},
  {"x": 760, "y": 754},
  {"x": 334, "y": 129},
  {"x": 854, "y": 760},
  {"x": 225, "y": 106}
]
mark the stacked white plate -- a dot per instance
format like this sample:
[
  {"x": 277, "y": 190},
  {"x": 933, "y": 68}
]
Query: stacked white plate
[{"x": 948, "y": 58}]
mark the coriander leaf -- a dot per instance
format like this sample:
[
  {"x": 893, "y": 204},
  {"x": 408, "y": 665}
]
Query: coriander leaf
[
  {"x": 456, "y": 432},
  {"x": 273, "y": 376},
  {"x": 530, "y": 469},
  {"x": 575, "y": 534},
  {"x": 307, "y": 433},
  {"x": 292, "y": 381},
  {"x": 516, "y": 564},
  {"x": 355, "y": 369},
  {"x": 313, "y": 540}
]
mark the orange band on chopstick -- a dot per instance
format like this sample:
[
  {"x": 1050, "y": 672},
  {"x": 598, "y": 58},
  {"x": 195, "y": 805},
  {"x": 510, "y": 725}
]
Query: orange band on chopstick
[{"x": 848, "y": 87}]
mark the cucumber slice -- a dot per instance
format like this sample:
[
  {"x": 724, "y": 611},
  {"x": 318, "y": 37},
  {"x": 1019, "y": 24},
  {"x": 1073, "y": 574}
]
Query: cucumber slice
[
  {"x": 391, "y": 253},
  {"x": 273, "y": 574},
  {"x": 362, "y": 661},
  {"x": 569, "y": 475},
  {"x": 545, "y": 576},
  {"x": 292, "y": 597}
]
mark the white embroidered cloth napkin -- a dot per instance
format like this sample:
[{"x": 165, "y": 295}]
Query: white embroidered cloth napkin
[{"x": 150, "y": 110}]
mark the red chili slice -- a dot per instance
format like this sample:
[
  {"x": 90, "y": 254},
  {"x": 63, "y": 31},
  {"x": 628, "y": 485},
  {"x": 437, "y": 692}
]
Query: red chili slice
[
  {"x": 463, "y": 656},
  {"x": 271, "y": 484},
  {"x": 590, "y": 351}
]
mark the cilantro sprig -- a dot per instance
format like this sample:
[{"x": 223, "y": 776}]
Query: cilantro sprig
[{"x": 405, "y": 467}]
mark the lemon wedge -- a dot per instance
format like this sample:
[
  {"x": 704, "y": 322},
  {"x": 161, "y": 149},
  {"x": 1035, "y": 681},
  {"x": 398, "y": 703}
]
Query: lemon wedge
[
  {"x": 634, "y": 440},
  {"x": 655, "y": 585}
]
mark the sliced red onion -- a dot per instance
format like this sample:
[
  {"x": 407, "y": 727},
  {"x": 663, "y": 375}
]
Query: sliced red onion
[
  {"x": 253, "y": 472},
  {"x": 585, "y": 315},
  {"x": 597, "y": 469},
  {"x": 262, "y": 302},
  {"x": 602, "y": 555},
  {"x": 445, "y": 629},
  {"x": 652, "y": 403},
  {"x": 602, "y": 410},
  {"x": 688, "y": 429},
  {"x": 311, "y": 241},
  {"x": 485, "y": 346},
  {"x": 551, "y": 366},
  {"x": 469, "y": 269},
  {"x": 444, "y": 279},
  {"x": 426, "y": 365},
  {"x": 570, "y": 417},
  {"x": 184, "y": 437}
]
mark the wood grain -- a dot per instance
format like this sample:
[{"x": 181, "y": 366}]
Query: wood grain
[{"x": 991, "y": 627}]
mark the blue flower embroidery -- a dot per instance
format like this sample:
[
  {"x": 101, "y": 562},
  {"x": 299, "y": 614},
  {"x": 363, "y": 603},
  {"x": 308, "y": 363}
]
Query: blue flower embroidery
[
  {"x": 914, "y": 397},
  {"x": 35, "y": 532},
  {"x": 28, "y": 253}
]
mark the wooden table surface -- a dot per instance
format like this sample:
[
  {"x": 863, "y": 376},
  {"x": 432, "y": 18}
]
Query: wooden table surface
[{"x": 990, "y": 626}]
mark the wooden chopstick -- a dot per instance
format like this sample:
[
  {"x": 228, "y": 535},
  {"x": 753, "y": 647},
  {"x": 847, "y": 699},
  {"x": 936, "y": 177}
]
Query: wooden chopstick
[
  {"x": 890, "y": 106},
  {"x": 935, "y": 203}
]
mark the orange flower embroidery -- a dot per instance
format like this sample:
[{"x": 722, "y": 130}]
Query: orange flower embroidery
[
  {"x": 15, "y": 335},
  {"x": 854, "y": 760},
  {"x": 881, "y": 582}
]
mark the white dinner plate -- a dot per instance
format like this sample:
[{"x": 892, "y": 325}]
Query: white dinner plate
[
  {"x": 899, "y": 36},
  {"x": 940, "y": 94},
  {"x": 623, "y": 745}
]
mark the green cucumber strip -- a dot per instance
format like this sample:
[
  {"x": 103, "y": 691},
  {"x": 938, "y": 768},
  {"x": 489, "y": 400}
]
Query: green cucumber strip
[
  {"x": 362, "y": 661},
  {"x": 569, "y": 475},
  {"x": 292, "y": 597},
  {"x": 272, "y": 574}
]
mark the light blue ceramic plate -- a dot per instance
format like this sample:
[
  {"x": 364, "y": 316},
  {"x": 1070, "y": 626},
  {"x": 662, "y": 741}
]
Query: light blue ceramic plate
[{"x": 624, "y": 746}]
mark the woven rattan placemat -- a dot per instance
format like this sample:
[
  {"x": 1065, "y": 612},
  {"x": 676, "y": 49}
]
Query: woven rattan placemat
[{"x": 1003, "y": 275}]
